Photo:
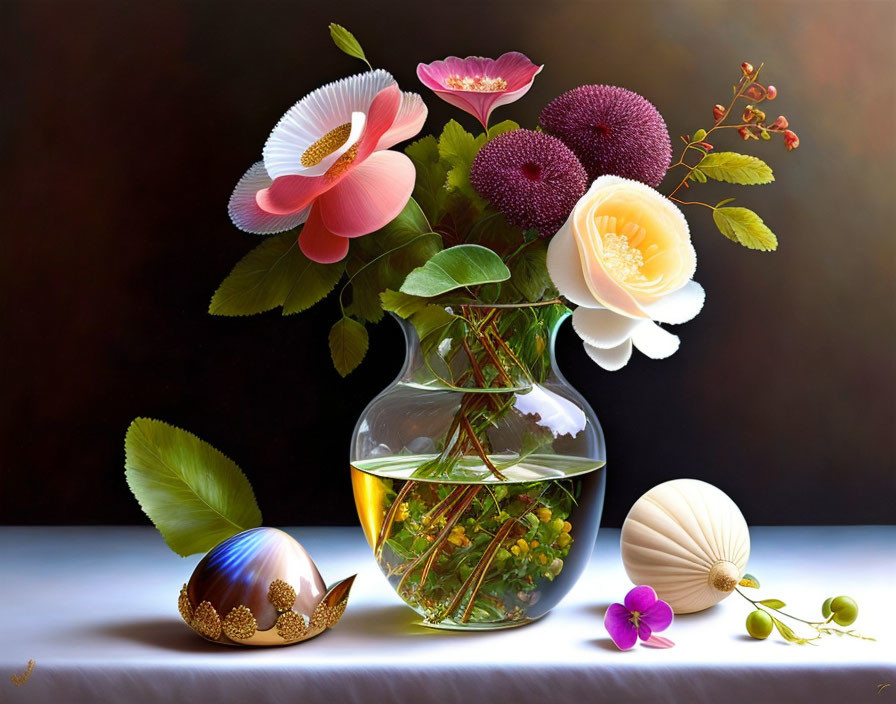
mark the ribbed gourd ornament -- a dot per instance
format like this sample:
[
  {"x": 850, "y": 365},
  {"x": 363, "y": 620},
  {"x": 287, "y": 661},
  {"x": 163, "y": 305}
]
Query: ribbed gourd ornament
[{"x": 689, "y": 541}]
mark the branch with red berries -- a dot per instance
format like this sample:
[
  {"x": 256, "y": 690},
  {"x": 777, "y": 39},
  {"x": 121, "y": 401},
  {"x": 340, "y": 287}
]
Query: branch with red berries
[{"x": 737, "y": 224}]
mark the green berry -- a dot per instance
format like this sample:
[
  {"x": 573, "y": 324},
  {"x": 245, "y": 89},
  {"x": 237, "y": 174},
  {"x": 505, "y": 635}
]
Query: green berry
[
  {"x": 826, "y": 607},
  {"x": 845, "y": 610},
  {"x": 759, "y": 624}
]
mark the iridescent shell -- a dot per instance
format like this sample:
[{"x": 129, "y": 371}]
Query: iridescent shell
[{"x": 260, "y": 587}]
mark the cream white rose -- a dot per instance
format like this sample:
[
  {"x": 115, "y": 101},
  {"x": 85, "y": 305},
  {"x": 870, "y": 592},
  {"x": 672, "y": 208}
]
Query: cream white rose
[{"x": 625, "y": 258}]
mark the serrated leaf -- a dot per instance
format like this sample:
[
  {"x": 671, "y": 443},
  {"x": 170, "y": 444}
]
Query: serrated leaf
[
  {"x": 746, "y": 227},
  {"x": 750, "y": 581},
  {"x": 529, "y": 271},
  {"x": 345, "y": 41},
  {"x": 195, "y": 495},
  {"x": 773, "y": 603},
  {"x": 458, "y": 148},
  {"x": 501, "y": 128},
  {"x": 402, "y": 304},
  {"x": 463, "y": 265},
  {"x": 348, "y": 345},
  {"x": 430, "y": 189},
  {"x": 732, "y": 167},
  {"x": 275, "y": 273}
]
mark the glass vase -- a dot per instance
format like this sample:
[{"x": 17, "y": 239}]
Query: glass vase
[{"x": 478, "y": 474}]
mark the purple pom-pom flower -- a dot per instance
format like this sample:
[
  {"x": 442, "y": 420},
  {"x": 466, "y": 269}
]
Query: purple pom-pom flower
[
  {"x": 642, "y": 615},
  {"x": 530, "y": 177},
  {"x": 613, "y": 131}
]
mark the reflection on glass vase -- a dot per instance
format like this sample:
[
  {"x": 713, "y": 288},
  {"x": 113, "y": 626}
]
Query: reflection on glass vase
[{"x": 479, "y": 474}]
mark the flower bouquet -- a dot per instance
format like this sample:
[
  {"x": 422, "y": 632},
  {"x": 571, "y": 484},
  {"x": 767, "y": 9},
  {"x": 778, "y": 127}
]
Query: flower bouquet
[{"x": 478, "y": 474}]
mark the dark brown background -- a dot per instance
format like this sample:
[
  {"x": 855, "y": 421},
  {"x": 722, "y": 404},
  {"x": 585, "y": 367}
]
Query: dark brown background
[{"x": 125, "y": 126}]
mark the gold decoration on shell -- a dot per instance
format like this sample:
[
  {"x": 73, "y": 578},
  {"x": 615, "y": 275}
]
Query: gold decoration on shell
[
  {"x": 240, "y": 626},
  {"x": 281, "y": 595}
]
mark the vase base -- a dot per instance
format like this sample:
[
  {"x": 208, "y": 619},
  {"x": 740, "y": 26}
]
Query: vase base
[{"x": 497, "y": 626}]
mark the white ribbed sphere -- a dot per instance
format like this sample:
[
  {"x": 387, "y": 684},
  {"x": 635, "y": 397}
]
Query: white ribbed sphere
[{"x": 689, "y": 541}]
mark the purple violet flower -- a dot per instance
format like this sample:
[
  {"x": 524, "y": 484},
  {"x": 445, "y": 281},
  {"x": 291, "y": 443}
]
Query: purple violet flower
[{"x": 642, "y": 615}]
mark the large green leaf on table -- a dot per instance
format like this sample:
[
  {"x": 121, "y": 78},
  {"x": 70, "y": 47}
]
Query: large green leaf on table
[
  {"x": 732, "y": 167},
  {"x": 193, "y": 494},
  {"x": 348, "y": 345},
  {"x": 384, "y": 258},
  {"x": 275, "y": 273},
  {"x": 464, "y": 265},
  {"x": 529, "y": 271},
  {"x": 746, "y": 227},
  {"x": 430, "y": 189}
]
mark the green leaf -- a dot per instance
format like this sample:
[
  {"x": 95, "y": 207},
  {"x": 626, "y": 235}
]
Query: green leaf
[
  {"x": 194, "y": 495},
  {"x": 402, "y": 304},
  {"x": 732, "y": 167},
  {"x": 275, "y": 273},
  {"x": 430, "y": 189},
  {"x": 345, "y": 41},
  {"x": 773, "y": 603},
  {"x": 699, "y": 136},
  {"x": 788, "y": 633},
  {"x": 529, "y": 271},
  {"x": 458, "y": 148},
  {"x": 430, "y": 320},
  {"x": 463, "y": 265},
  {"x": 697, "y": 175},
  {"x": 348, "y": 345},
  {"x": 750, "y": 581},
  {"x": 501, "y": 128},
  {"x": 746, "y": 227}
]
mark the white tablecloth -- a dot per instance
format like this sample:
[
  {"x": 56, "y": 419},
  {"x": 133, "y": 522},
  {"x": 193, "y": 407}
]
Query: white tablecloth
[{"x": 96, "y": 610}]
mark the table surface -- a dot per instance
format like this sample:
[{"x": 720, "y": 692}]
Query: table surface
[{"x": 96, "y": 610}]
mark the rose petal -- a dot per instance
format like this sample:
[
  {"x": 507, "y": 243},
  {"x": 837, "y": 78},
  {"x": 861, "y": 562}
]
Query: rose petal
[
  {"x": 244, "y": 210},
  {"x": 319, "y": 244},
  {"x": 603, "y": 328},
  {"x": 618, "y": 623},
  {"x": 290, "y": 194},
  {"x": 640, "y": 599},
  {"x": 612, "y": 359},
  {"x": 677, "y": 307},
  {"x": 369, "y": 197},
  {"x": 565, "y": 269},
  {"x": 408, "y": 122},
  {"x": 658, "y": 642},
  {"x": 653, "y": 341},
  {"x": 658, "y": 617}
]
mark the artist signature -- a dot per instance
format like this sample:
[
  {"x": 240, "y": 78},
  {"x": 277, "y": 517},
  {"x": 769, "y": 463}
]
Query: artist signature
[{"x": 19, "y": 680}]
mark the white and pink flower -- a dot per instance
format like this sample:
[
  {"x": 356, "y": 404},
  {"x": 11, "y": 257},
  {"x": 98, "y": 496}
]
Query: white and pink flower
[
  {"x": 479, "y": 85},
  {"x": 327, "y": 164}
]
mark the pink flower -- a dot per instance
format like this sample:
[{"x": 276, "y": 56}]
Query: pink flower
[
  {"x": 479, "y": 85},
  {"x": 641, "y": 616},
  {"x": 327, "y": 164}
]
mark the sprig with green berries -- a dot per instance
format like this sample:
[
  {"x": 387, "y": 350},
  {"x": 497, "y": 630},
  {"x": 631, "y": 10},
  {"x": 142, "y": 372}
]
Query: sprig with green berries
[{"x": 766, "y": 617}]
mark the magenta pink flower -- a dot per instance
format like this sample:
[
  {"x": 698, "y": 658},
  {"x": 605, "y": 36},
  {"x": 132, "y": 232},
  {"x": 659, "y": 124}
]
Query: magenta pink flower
[
  {"x": 479, "y": 85},
  {"x": 327, "y": 164},
  {"x": 642, "y": 615}
]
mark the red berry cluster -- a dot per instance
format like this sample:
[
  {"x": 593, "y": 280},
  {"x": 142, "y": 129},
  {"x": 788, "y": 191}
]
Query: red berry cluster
[{"x": 753, "y": 118}]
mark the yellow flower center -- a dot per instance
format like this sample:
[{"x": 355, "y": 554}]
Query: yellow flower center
[
  {"x": 623, "y": 257},
  {"x": 326, "y": 145},
  {"x": 476, "y": 84},
  {"x": 340, "y": 166}
]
